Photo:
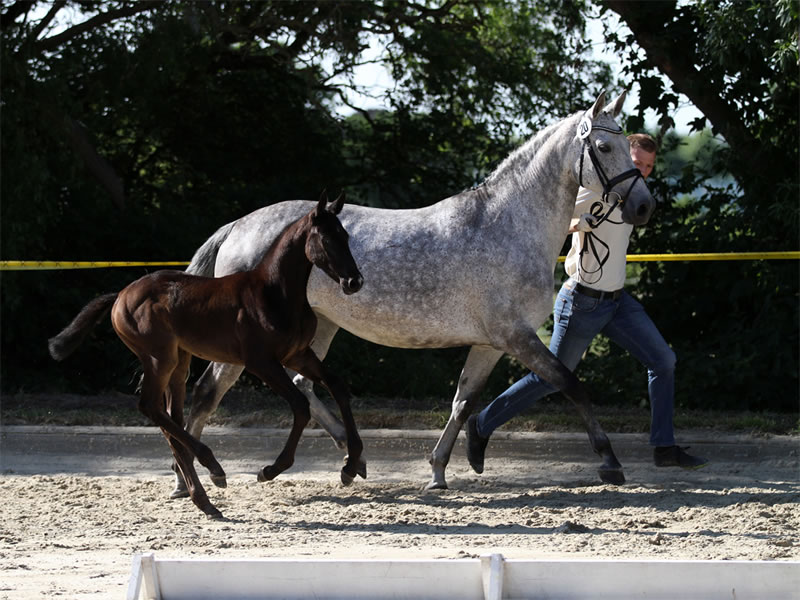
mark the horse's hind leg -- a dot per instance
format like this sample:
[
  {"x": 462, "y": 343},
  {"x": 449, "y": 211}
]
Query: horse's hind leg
[
  {"x": 272, "y": 373},
  {"x": 480, "y": 362},
  {"x": 535, "y": 355}
]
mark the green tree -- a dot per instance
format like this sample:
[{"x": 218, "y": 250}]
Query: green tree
[
  {"x": 134, "y": 129},
  {"x": 734, "y": 325}
]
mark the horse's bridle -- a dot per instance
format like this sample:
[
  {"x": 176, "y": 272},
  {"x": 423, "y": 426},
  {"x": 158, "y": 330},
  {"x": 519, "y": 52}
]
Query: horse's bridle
[{"x": 585, "y": 129}]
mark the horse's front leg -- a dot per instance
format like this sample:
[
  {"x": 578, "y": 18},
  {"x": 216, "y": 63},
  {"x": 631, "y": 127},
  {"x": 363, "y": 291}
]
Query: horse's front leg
[
  {"x": 480, "y": 362},
  {"x": 536, "y": 356},
  {"x": 311, "y": 367}
]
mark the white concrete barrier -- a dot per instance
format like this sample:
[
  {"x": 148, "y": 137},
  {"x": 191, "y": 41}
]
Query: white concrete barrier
[{"x": 489, "y": 578}]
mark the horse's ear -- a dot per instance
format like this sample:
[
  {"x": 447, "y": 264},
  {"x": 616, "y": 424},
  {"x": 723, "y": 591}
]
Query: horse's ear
[
  {"x": 614, "y": 107},
  {"x": 323, "y": 202},
  {"x": 336, "y": 206},
  {"x": 598, "y": 104}
]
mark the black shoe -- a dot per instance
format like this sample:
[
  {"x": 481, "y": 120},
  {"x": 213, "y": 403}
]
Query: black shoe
[
  {"x": 674, "y": 456},
  {"x": 476, "y": 445}
]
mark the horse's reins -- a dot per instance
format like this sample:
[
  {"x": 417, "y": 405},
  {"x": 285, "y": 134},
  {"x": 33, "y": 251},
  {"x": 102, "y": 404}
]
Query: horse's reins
[{"x": 590, "y": 241}]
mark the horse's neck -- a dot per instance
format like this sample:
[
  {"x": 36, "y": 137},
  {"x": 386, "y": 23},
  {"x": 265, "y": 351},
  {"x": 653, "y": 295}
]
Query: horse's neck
[{"x": 537, "y": 186}]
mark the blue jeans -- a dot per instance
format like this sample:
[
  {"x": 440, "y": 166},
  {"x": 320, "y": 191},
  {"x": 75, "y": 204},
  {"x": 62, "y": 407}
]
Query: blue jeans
[{"x": 578, "y": 318}]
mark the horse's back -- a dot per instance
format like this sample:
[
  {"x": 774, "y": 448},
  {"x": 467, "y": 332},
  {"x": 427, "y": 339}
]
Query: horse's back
[{"x": 430, "y": 274}]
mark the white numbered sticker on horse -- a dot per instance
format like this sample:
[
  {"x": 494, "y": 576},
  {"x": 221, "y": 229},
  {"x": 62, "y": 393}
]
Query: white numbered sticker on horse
[{"x": 584, "y": 127}]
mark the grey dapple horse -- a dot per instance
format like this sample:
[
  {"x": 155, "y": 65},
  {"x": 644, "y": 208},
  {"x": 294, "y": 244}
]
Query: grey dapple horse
[{"x": 476, "y": 269}]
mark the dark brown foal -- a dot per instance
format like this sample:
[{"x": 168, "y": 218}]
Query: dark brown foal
[{"x": 260, "y": 319}]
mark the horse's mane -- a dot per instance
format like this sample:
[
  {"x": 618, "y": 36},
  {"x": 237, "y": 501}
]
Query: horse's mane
[{"x": 518, "y": 163}]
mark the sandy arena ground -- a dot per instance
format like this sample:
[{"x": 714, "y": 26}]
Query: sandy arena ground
[{"x": 78, "y": 503}]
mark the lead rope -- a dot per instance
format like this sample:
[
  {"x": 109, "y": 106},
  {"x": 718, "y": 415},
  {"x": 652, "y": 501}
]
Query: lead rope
[{"x": 590, "y": 240}]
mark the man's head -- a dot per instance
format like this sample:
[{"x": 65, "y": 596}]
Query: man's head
[{"x": 643, "y": 152}]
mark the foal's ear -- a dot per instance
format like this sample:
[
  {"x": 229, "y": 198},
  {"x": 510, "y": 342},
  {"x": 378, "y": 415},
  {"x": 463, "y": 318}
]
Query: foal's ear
[
  {"x": 323, "y": 202},
  {"x": 336, "y": 206}
]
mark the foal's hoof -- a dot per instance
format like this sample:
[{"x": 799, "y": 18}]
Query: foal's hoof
[
  {"x": 612, "y": 476},
  {"x": 214, "y": 514},
  {"x": 219, "y": 480},
  {"x": 347, "y": 479},
  {"x": 361, "y": 467},
  {"x": 267, "y": 474}
]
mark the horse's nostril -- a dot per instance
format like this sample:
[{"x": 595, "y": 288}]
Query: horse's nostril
[
  {"x": 642, "y": 210},
  {"x": 354, "y": 283}
]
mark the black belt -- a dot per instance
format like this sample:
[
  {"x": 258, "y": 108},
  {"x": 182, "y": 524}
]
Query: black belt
[{"x": 592, "y": 293}]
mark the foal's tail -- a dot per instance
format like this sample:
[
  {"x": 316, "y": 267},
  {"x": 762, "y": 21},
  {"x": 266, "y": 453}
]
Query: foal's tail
[
  {"x": 205, "y": 257},
  {"x": 66, "y": 342}
]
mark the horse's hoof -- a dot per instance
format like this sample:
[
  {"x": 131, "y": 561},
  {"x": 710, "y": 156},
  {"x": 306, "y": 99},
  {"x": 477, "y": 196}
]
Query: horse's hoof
[
  {"x": 179, "y": 492},
  {"x": 219, "y": 480},
  {"x": 612, "y": 476},
  {"x": 436, "y": 485},
  {"x": 347, "y": 479}
]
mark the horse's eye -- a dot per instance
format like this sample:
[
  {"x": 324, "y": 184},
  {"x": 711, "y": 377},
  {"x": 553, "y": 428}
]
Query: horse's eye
[{"x": 603, "y": 147}]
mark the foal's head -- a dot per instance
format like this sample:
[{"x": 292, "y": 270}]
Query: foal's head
[{"x": 327, "y": 245}]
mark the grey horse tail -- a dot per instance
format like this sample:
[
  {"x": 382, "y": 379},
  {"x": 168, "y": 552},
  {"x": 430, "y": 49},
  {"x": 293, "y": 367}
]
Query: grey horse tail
[
  {"x": 66, "y": 342},
  {"x": 205, "y": 257}
]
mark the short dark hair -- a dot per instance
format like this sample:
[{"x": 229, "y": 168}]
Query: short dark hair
[{"x": 643, "y": 141}]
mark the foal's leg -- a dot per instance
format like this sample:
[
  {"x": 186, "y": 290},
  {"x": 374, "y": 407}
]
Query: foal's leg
[
  {"x": 536, "y": 356},
  {"x": 273, "y": 374},
  {"x": 157, "y": 374},
  {"x": 208, "y": 391},
  {"x": 177, "y": 397},
  {"x": 480, "y": 362},
  {"x": 310, "y": 366}
]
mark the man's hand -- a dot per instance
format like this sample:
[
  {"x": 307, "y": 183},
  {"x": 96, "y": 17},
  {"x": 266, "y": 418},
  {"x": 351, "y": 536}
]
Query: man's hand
[{"x": 586, "y": 223}]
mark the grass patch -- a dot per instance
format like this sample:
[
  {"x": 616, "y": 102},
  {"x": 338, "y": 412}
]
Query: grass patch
[{"x": 247, "y": 407}]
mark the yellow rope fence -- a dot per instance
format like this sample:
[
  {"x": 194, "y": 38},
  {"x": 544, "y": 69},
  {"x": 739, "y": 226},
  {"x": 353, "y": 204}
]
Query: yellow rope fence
[{"x": 44, "y": 265}]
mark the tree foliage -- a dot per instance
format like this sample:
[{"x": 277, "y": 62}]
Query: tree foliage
[
  {"x": 132, "y": 130},
  {"x": 734, "y": 325}
]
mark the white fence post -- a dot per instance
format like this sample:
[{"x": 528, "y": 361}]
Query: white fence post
[{"x": 492, "y": 574}]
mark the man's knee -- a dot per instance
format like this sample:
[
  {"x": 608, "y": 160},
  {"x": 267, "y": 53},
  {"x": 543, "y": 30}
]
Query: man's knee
[{"x": 665, "y": 362}]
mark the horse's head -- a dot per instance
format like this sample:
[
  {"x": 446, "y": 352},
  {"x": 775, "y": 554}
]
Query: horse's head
[
  {"x": 327, "y": 245},
  {"x": 605, "y": 165}
]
